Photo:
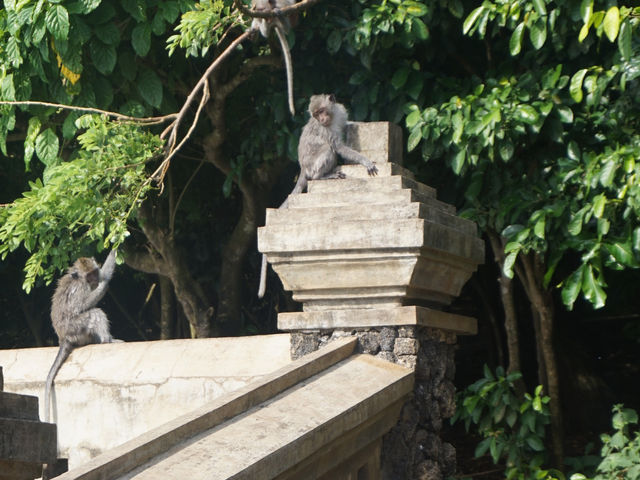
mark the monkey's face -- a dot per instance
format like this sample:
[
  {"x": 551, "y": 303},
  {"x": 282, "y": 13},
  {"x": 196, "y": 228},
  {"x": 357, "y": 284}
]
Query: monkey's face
[
  {"x": 88, "y": 269},
  {"x": 93, "y": 278},
  {"x": 323, "y": 115}
]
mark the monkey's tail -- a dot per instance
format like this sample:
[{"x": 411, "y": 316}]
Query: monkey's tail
[
  {"x": 289, "y": 68},
  {"x": 63, "y": 353},
  {"x": 263, "y": 277}
]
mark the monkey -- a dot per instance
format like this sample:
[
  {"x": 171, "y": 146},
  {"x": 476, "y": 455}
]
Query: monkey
[
  {"x": 75, "y": 319},
  {"x": 320, "y": 144},
  {"x": 281, "y": 26}
]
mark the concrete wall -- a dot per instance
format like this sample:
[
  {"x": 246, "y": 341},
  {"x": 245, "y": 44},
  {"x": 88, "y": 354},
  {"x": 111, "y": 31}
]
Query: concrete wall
[{"x": 108, "y": 394}]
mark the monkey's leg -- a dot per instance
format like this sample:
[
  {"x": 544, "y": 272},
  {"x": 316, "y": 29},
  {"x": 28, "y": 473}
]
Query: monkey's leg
[
  {"x": 97, "y": 325},
  {"x": 287, "y": 64}
]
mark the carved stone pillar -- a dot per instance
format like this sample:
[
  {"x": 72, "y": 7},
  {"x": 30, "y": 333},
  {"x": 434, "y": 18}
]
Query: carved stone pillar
[{"x": 381, "y": 258}]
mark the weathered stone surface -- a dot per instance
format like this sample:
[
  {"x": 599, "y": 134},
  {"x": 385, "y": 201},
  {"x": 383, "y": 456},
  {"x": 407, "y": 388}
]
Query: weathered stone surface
[
  {"x": 379, "y": 141},
  {"x": 370, "y": 343},
  {"x": 406, "y": 346},
  {"x": 407, "y": 318},
  {"x": 304, "y": 343},
  {"x": 388, "y": 337},
  {"x": 105, "y": 395}
]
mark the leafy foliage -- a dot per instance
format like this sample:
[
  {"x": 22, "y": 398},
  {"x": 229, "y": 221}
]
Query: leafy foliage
[
  {"x": 548, "y": 153},
  {"x": 621, "y": 451},
  {"x": 82, "y": 204},
  {"x": 513, "y": 430}
]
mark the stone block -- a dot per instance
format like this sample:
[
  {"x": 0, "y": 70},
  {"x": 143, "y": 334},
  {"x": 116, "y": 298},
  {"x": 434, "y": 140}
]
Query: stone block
[
  {"x": 379, "y": 141},
  {"x": 406, "y": 346}
]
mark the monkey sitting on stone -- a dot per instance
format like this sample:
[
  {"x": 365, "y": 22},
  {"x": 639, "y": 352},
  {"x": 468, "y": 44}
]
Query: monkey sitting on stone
[
  {"x": 321, "y": 142},
  {"x": 75, "y": 319}
]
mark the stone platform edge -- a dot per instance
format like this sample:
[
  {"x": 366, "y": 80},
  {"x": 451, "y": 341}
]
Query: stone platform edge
[{"x": 377, "y": 318}]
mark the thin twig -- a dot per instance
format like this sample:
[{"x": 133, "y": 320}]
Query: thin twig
[
  {"x": 162, "y": 169},
  {"x": 172, "y": 220},
  {"x": 117, "y": 116}
]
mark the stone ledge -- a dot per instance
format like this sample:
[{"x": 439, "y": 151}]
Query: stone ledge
[
  {"x": 379, "y": 141},
  {"x": 377, "y": 318}
]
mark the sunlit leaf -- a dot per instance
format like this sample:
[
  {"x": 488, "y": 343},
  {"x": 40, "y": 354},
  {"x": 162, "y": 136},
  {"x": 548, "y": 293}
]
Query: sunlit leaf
[
  {"x": 515, "y": 42},
  {"x": 575, "y": 86},
  {"x": 612, "y": 23}
]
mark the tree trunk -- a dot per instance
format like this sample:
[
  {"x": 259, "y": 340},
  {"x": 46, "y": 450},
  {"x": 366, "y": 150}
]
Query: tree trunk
[
  {"x": 506, "y": 296},
  {"x": 166, "y": 308},
  {"x": 167, "y": 260},
  {"x": 542, "y": 301}
]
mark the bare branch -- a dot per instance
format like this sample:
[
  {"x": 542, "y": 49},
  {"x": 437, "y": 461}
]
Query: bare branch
[
  {"x": 276, "y": 12},
  {"x": 117, "y": 116}
]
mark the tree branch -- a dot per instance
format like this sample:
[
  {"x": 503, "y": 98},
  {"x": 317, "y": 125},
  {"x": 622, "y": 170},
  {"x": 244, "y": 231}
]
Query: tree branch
[{"x": 276, "y": 12}]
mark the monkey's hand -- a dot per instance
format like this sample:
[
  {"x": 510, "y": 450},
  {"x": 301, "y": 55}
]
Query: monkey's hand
[{"x": 372, "y": 170}]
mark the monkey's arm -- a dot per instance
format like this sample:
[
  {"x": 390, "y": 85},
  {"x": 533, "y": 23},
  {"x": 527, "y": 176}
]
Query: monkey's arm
[
  {"x": 349, "y": 155},
  {"x": 106, "y": 272}
]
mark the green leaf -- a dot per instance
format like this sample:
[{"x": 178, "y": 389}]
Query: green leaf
[
  {"x": 608, "y": 172},
  {"x": 150, "y": 87},
  {"x": 420, "y": 29},
  {"x": 526, "y": 113},
  {"x": 108, "y": 33},
  {"x": 458, "y": 161},
  {"x": 612, "y": 23},
  {"x": 592, "y": 288},
  {"x": 538, "y": 229},
  {"x": 599, "y": 202},
  {"x": 30, "y": 140},
  {"x": 623, "y": 253},
  {"x": 586, "y": 9},
  {"x": 7, "y": 89},
  {"x": 515, "y": 43},
  {"x": 538, "y": 33},
  {"x": 540, "y": 7},
  {"x": 624, "y": 40},
  {"x": 509, "y": 261},
  {"x": 575, "y": 86},
  {"x": 471, "y": 19},
  {"x": 636, "y": 239},
  {"x": 400, "y": 77},
  {"x": 535, "y": 443},
  {"x": 141, "y": 39},
  {"x": 413, "y": 118},
  {"x": 47, "y": 147},
  {"x": 57, "y": 21},
  {"x": 414, "y": 139},
  {"x": 13, "y": 52},
  {"x": 103, "y": 56},
  {"x": 334, "y": 41},
  {"x": 565, "y": 113}
]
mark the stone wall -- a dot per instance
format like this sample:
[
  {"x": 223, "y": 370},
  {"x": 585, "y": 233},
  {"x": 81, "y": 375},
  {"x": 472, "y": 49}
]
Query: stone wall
[{"x": 413, "y": 449}]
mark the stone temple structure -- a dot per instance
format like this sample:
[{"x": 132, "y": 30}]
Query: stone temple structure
[
  {"x": 356, "y": 388},
  {"x": 381, "y": 258}
]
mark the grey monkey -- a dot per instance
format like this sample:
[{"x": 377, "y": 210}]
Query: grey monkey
[
  {"x": 73, "y": 314},
  {"x": 321, "y": 142},
  {"x": 281, "y": 26}
]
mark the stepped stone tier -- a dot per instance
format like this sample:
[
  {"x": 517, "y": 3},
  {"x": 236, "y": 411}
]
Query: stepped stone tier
[
  {"x": 25, "y": 442},
  {"x": 371, "y": 243}
]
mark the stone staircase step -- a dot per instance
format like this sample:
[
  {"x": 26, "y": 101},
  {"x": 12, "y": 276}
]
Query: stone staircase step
[
  {"x": 431, "y": 211},
  {"x": 22, "y": 407},
  {"x": 363, "y": 199},
  {"x": 396, "y": 182},
  {"x": 384, "y": 170}
]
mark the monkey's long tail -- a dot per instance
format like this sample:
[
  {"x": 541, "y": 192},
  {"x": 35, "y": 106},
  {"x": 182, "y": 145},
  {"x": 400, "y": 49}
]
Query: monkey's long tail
[
  {"x": 289, "y": 68},
  {"x": 63, "y": 353},
  {"x": 263, "y": 277}
]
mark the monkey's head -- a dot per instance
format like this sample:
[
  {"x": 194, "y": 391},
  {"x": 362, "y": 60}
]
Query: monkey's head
[
  {"x": 321, "y": 108},
  {"x": 86, "y": 268}
]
